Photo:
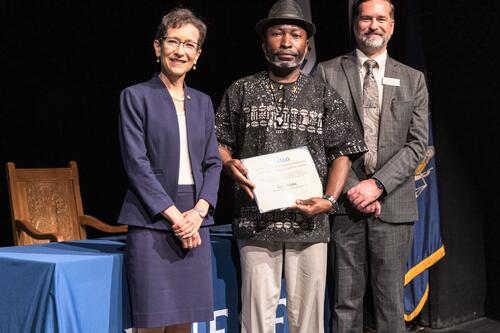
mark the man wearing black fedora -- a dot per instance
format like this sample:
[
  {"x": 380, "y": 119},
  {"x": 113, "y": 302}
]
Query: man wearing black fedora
[{"x": 268, "y": 112}]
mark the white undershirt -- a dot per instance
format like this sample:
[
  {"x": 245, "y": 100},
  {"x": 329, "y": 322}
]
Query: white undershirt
[
  {"x": 378, "y": 72},
  {"x": 185, "y": 172}
]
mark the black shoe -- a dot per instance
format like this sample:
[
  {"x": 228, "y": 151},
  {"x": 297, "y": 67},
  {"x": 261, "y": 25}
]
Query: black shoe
[{"x": 412, "y": 327}]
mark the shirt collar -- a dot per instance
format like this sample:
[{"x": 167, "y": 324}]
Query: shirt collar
[{"x": 380, "y": 59}]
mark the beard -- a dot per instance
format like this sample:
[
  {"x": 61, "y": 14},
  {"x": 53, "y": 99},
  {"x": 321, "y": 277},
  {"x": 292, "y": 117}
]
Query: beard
[
  {"x": 274, "y": 61},
  {"x": 371, "y": 41}
]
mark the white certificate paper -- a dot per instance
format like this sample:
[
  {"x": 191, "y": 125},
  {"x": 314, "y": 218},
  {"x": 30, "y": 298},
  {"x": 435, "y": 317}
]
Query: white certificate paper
[{"x": 283, "y": 177}]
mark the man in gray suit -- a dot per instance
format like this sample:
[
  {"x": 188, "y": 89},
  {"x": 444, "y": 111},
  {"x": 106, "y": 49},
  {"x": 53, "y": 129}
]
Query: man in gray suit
[{"x": 374, "y": 231}]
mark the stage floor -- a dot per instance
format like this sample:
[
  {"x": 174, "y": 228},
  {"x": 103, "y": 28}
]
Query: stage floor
[{"x": 481, "y": 325}]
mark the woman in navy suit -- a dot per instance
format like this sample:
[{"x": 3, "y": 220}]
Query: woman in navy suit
[{"x": 170, "y": 155}]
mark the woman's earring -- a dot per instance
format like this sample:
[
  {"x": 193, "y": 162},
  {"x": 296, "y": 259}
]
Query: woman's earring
[
  {"x": 194, "y": 67},
  {"x": 158, "y": 59}
]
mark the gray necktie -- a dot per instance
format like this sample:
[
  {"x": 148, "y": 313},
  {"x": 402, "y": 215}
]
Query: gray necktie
[{"x": 371, "y": 116}]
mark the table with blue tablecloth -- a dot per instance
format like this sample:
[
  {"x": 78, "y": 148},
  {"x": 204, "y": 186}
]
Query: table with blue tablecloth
[
  {"x": 76, "y": 286},
  {"x": 80, "y": 287}
]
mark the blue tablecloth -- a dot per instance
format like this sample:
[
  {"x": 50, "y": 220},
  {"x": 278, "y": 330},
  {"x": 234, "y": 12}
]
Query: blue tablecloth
[
  {"x": 76, "y": 286},
  {"x": 81, "y": 287}
]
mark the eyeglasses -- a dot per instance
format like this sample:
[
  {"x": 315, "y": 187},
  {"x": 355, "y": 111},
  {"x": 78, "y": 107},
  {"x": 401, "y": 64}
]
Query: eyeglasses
[{"x": 173, "y": 44}]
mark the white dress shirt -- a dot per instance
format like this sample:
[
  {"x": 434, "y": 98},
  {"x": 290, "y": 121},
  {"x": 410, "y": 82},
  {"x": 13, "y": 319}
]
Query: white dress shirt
[{"x": 185, "y": 172}]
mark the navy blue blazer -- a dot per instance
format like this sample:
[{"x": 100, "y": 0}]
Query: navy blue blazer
[{"x": 149, "y": 141}]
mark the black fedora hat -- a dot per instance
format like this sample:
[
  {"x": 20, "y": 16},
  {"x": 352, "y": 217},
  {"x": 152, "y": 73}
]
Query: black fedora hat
[{"x": 285, "y": 11}]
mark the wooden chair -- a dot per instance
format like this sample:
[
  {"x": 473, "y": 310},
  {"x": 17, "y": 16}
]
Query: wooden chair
[{"x": 46, "y": 205}]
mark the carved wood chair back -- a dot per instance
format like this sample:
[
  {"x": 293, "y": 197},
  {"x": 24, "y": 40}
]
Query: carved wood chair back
[{"x": 46, "y": 204}]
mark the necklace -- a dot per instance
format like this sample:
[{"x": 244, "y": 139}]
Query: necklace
[
  {"x": 283, "y": 104},
  {"x": 167, "y": 84},
  {"x": 175, "y": 98}
]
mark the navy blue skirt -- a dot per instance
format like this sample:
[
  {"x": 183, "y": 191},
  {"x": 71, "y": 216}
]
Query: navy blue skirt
[{"x": 168, "y": 284}]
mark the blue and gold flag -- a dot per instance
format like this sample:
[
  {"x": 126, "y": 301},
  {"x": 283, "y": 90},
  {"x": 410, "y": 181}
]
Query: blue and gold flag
[{"x": 427, "y": 245}]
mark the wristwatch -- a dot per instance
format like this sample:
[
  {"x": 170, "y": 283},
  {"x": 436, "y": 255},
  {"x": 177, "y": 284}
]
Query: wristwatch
[
  {"x": 200, "y": 212},
  {"x": 379, "y": 184},
  {"x": 333, "y": 201}
]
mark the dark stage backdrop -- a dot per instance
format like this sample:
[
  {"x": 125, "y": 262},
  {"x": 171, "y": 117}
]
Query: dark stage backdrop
[
  {"x": 63, "y": 65},
  {"x": 463, "y": 78}
]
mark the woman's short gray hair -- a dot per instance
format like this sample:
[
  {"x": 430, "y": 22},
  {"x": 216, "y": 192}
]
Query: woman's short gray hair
[{"x": 179, "y": 17}]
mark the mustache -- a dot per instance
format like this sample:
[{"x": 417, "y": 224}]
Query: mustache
[
  {"x": 370, "y": 33},
  {"x": 295, "y": 54}
]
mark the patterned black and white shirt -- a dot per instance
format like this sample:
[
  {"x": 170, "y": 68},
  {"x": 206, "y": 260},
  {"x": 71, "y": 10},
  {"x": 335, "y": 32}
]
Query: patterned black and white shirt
[{"x": 258, "y": 116}]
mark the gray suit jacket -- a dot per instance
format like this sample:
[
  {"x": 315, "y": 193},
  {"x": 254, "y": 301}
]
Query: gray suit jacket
[{"x": 403, "y": 131}]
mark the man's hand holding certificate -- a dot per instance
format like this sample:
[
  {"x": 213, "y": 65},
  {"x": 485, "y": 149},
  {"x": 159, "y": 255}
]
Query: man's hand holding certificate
[{"x": 282, "y": 178}]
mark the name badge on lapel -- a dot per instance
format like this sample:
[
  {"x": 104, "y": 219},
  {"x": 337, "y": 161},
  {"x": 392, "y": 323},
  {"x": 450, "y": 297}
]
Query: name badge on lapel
[{"x": 390, "y": 81}]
